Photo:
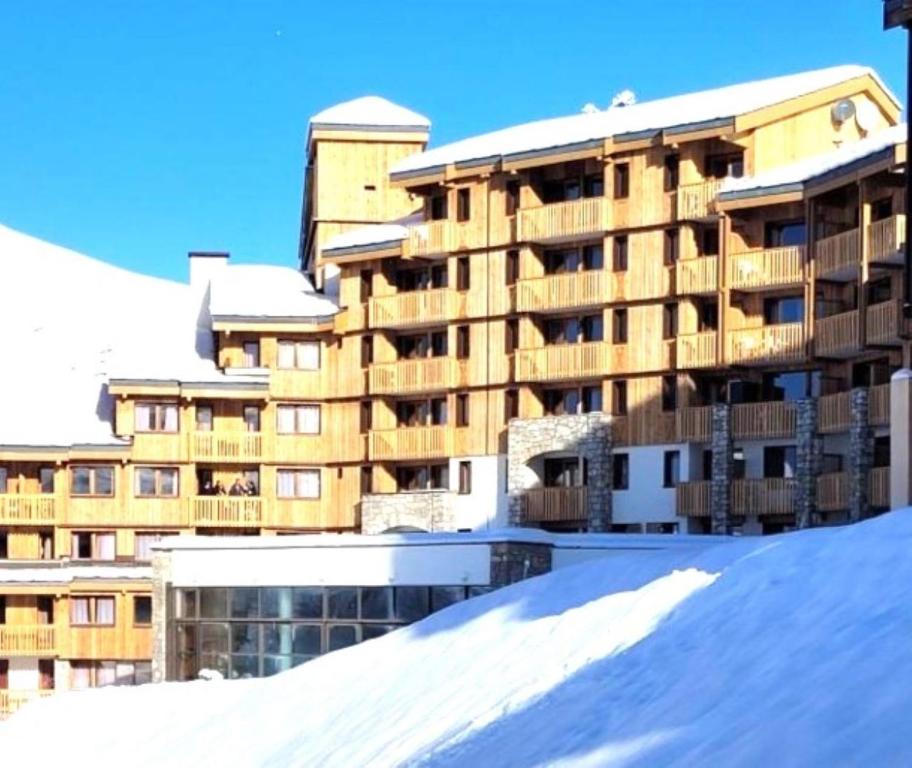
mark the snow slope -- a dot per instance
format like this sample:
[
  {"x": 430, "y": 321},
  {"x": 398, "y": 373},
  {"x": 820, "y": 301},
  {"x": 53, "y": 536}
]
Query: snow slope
[{"x": 788, "y": 650}]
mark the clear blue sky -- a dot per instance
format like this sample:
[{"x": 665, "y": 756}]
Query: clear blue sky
[{"x": 137, "y": 130}]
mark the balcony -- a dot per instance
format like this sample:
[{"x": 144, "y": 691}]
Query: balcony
[
  {"x": 694, "y": 425},
  {"x": 28, "y": 640},
  {"x": 761, "y": 421},
  {"x": 563, "y": 361},
  {"x": 768, "y": 344},
  {"x": 431, "y": 238},
  {"x": 406, "y": 443},
  {"x": 837, "y": 257},
  {"x": 833, "y": 492},
  {"x": 837, "y": 336},
  {"x": 11, "y": 701},
  {"x": 834, "y": 413},
  {"x": 697, "y": 276},
  {"x": 426, "y": 374},
  {"x": 160, "y": 446},
  {"x": 242, "y": 447},
  {"x": 555, "y": 505},
  {"x": 28, "y": 508},
  {"x": 414, "y": 308},
  {"x": 879, "y": 489},
  {"x": 765, "y": 496},
  {"x": 885, "y": 324},
  {"x": 767, "y": 268},
  {"x": 697, "y": 201},
  {"x": 569, "y": 220},
  {"x": 227, "y": 511},
  {"x": 552, "y": 292},
  {"x": 887, "y": 240},
  {"x": 696, "y": 350},
  {"x": 693, "y": 499},
  {"x": 879, "y": 405}
]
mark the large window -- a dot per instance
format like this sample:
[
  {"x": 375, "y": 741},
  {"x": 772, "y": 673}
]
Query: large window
[
  {"x": 573, "y": 330},
  {"x": 92, "y": 481},
  {"x": 565, "y": 472},
  {"x": 572, "y": 400},
  {"x": 298, "y": 419},
  {"x": 92, "y": 545},
  {"x": 420, "y": 345},
  {"x": 788, "y": 309},
  {"x": 563, "y": 260},
  {"x": 423, "y": 478},
  {"x": 671, "y": 469},
  {"x": 97, "y": 674},
  {"x": 155, "y": 481},
  {"x": 94, "y": 611},
  {"x": 298, "y": 483},
  {"x": 621, "y": 472},
  {"x": 299, "y": 355},
  {"x": 421, "y": 413},
  {"x": 156, "y": 417}
]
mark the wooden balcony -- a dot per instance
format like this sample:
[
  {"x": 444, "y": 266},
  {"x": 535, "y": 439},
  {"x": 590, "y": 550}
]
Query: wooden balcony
[
  {"x": 766, "y": 268},
  {"x": 693, "y": 499},
  {"x": 887, "y": 240},
  {"x": 563, "y": 361},
  {"x": 879, "y": 490},
  {"x": 833, "y": 492},
  {"x": 11, "y": 701},
  {"x": 879, "y": 405},
  {"x": 171, "y": 512},
  {"x": 414, "y": 308},
  {"x": 27, "y": 640},
  {"x": 227, "y": 511},
  {"x": 430, "y": 238},
  {"x": 838, "y": 257},
  {"x": 768, "y": 344},
  {"x": 885, "y": 324},
  {"x": 762, "y": 421},
  {"x": 407, "y": 443},
  {"x": 242, "y": 447},
  {"x": 765, "y": 496},
  {"x": 837, "y": 336},
  {"x": 697, "y": 201},
  {"x": 552, "y": 505},
  {"x": 563, "y": 221},
  {"x": 426, "y": 374},
  {"x": 160, "y": 446},
  {"x": 697, "y": 276},
  {"x": 29, "y": 508},
  {"x": 696, "y": 350},
  {"x": 574, "y": 289},
  {"x": 694, "y": 425},
  {"x": 834, "y": 412},
  {"x": 108, "y": 642}
]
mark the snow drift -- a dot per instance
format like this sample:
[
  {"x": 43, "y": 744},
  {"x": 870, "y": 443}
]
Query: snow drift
[{"x": 786, "y": 650}]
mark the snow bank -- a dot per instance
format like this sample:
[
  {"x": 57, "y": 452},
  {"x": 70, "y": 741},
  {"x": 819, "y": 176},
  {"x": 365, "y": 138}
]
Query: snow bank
[{"x": 787, "y": 650}]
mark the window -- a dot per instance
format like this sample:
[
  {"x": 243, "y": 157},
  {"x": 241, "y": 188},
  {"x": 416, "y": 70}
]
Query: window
[
  {"x": 251, "y": 418},
  {"x": 572, "y": 400},
  {"x": 512, "y": 197},
  {"x": 672, "y": 172},
  {"x": 463, "y": 204},
  {"x": 142, "y": 544},
  {"x": 203, "y": 418},
  {"x": 367, "y": 416},
  {"x": 671, "y": 469},
  {"x": 669, "y": 321},
  {"x": 620, "y": 472},
  {"x": 366, "y": 285},
  {"x": 669, "y": 393},
  {"x": 511, "y": 267},
  {"x": 564, "y": 473},
  {"x": 709, "y": 241},
  {"x": 463, "y": 274},
  {"x": 881, "y": 451},
  {"x": 621, "y": 181},
  {"x": 419, "y": 413},
  {"x": 779, "y": 461},
  {"x": 708, "y": 316},
  {"x": 298, "y": 419},
  {"x": 670, "y": 247},
  {"x": 619, "y": 398},
  {"x": 142, "y": 610},
  {"x": 299, "y": 355},
  {"x": 573, "y": 330},
  {"x": 511, "y": 335},
  {"x": 465, "y": 477},
  {"x": 619, "y": 326},
  {"x": 439, "y": 206},
  {"x": 46, "y": 479},
  {"x": 298, "y": 483},
  {"x": 250, "y": 354},
  {"x": 780, "y": 234},
  {"x": 92, "y": 481},
  {"x": 97, "y": 674},
  {"x": 4, "y": 545},
  {"x": 156, "y": 417},
  {"x": 423, "y": 478},
  {"x": 879, "y": 290},
  {"x": 91, "y": 611},
  {"x": 421, "y": 345},
  {"x": 729, "y": 165},
  {"x": 511, "y": 404},
  {"x": 367, "y": 350},
  {"x": 593, "y": 257},
  {"x": 594, "y": 185},
  {"x": 3, "y": 480},
  {"x": 462, "y": 410},
  {"x": 619, "y": 254},
  {"x": 592, "y": 399},
  {"x": 462, "y": 342},
  {"x": 367, "y": 480},
  {"x": 783, "y": 310},
  {"x": 739, "y": 464},
  {"x": 155, "y": 481}
]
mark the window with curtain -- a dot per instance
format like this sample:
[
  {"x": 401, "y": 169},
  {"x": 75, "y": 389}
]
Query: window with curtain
[
  {"x": 204, "y": 418},
  {"x": 252, "y": 418},
  {"x": 298, "y": 483},
  {"x": 156, "y": 417},
  {"x": 92, "y": 546},
  {"x": 298, "y": 419},
  {"x": 299, "y": 355},
  {"x": 155, "y": 481},
  {"x": 251, "y": 354},
  {"x": 142, "y": 544},
  {"x": 92, "y": 481},
  {"x": 87, "y": 610}
]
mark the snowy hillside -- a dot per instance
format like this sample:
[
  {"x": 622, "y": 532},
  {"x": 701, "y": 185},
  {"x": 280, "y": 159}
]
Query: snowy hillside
[{"x": 789, "y": 650}]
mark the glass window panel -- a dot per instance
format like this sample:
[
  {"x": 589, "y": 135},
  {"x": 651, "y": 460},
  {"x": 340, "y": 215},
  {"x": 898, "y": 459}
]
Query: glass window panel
[
  {"x": 245, "y": 638},
  {"x": 286, "y": 419},
  {"x": 275, "y": 602},
  {"x": 142, "y": 609},
  {"x": 168, "y": 482},
  {"x": 275, "y": 664},
  {"x": 412, "y": 603},
  {"x": 342, "y": 603},
  {"x": 370, "y": 631},
  {"x": 245, "y": 603},
  {"x": 243, "y": 667},
  {"x": 296, "y": 661},
  {"x": 277, "y": 639},
  {"x": 186, "y": 604},
  {"x": 81, "y": 483},
  {"x": 441, "y": 597},
  {"x": 187, "y": 666},
  {"x": 145, "y": 481},
  {"x": 342, "y": 636},
  {"x": 104, "y": 481},
  {"x": 214, "y": 638},
  {"x": 376, "y": 603},
  {"x": 309, "y": 355},
  {"x": 307, "y": 603},
  {"x": 286, "y": 354},
  {"x": 214, "y": 603},
  {"x": 307, "y": 639}
]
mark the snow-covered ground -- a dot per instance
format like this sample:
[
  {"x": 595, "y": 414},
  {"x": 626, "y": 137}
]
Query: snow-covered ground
[{"x": 788, "y": 650}]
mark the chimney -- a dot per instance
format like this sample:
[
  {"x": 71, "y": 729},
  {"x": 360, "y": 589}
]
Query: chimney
[{"x": 204, "y": 265}]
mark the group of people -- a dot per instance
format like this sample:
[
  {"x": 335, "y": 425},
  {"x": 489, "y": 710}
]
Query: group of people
[{"x": 238, "y": 488}]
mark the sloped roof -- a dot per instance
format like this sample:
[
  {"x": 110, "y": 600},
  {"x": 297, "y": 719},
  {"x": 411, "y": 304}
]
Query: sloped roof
[
  {"x": 373, "y": 111},
  {"x": 265, "y": 291}
]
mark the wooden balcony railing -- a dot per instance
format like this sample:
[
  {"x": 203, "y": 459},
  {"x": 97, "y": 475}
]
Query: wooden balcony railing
[
  {"x": 879, "y": 405},
  {"x": 697, "y": 201},
  {"x": 694, "y": 425},
  {"x": 879, "y": 491},
  {"x": 558, "y": 221},
  {"x": 564, "y": 504},
  {"x": 766, "y": 268},
  {"x": 884, "y": 323},
  {"x": 697, "y": 276},
  {"x": 834, "y": 412},
  {"x": 759, "y": 421},
  {"x": 692, "y": 499},
  {"x": 837, "y": 257},
  {"x": 887, "y": 240},
  {"x": 837, "y": 335},
  {"x": 696, "y": 350},
  {"x": 241, "y": 511},
  {"x": 574, "y": 289},
  {"x": 833, "y": 491},
  {"x": 28, "y": 508},
  {"x": 411, "y": 443},
  {"x": 425, "y": 374},
  {"x": 414, "y": 308},
  {"x": 766, "y": 496},
  {"x": 230, "y": 447},
  {"x": 27, "y": 640},
  {"x": 563, "y": 361},
  {"x": 11, "y": 701},
  {"x": 430, "y": 238},
  {"x": 767, "y": 344}
]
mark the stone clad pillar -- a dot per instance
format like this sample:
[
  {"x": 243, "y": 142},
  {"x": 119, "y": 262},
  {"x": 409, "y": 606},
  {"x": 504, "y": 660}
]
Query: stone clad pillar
[
  {"x": 723, "y": 465},
  {"x": 601, "y": 475},
  {"x": 861, "y": 455},
  {"x": 809, "y": 453},
  {"x": 901, "y": 439}
]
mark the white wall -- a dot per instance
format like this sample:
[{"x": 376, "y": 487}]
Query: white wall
[
  {"x": 646, "y": 501},
  {"x": 486, "y": 506}
]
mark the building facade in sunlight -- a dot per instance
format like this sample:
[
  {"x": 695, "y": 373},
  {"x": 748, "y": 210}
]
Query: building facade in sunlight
[{"x": 671, "y": 316}]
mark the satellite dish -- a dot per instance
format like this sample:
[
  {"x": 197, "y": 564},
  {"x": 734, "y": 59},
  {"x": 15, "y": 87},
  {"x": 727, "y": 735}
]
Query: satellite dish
[
  {"x": 842, "y": 111},
  {"x": 865, "y": 116}
]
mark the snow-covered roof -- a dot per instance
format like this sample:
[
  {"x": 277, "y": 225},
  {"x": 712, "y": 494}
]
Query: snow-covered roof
[
  {"x": 796, "y": 174},
  {"x": 370, "y": 111},
  {"x": 44, "y": 574},
  {"x": 374, "y": 234},
  {"x": 70, "y": 324},
  {"x": 686, "y": 110},
  {"x": 264, "y": 291}
]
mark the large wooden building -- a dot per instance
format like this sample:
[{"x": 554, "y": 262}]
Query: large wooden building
[{"x": 673, "y": 316}]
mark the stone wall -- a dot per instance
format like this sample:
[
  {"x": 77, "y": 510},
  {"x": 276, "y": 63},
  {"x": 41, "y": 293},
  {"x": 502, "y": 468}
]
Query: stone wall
[
  {"x": 512, "y": 562},
  {"x": 426, "y": 510},
  {"x": 723, "y": 466},
  {"x": 861, "y": 455},
  {"x": 161, "y": 576},
  {"x": 809, "y": 455}
]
